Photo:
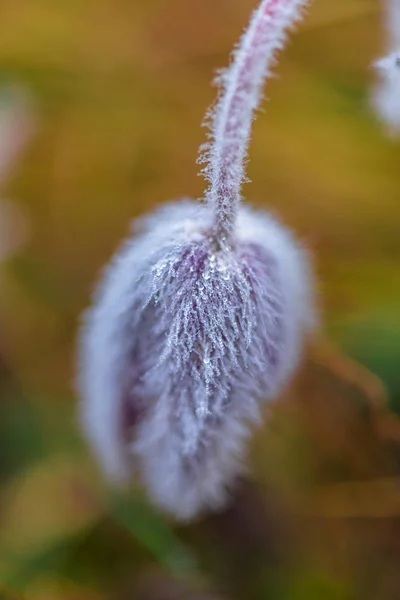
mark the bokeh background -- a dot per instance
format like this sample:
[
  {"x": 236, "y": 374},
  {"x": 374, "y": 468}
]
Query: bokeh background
[{"x": 100, "y": 110}]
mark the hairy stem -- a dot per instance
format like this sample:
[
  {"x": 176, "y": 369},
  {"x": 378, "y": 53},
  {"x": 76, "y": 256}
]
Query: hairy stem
[{"x": 232, "y": 118}]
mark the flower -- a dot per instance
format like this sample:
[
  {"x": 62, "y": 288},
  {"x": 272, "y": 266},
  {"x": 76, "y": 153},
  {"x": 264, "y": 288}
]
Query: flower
[
  {"x": 386, "y": 96},
  {"x": 200, "y": 317}
]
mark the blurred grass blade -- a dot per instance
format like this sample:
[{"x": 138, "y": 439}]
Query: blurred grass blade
[
  {"x": 40, "y": 563},
  {"x": 154, "y": 534}
]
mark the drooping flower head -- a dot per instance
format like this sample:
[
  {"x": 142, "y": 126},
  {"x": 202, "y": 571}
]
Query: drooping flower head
[
  {"x": 386, "y": 97},
  {"x": 201, "y": 315}
]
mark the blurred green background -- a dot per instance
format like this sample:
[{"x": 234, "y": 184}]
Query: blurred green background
[{"x": 117, "y": 92}]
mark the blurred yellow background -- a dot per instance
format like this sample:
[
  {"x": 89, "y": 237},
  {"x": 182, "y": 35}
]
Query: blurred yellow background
[{"x": 118, "y": 90}]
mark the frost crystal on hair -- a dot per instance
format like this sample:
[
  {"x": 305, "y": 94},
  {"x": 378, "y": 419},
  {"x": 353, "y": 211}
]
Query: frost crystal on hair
[
  {"x": 386, "y": 96},
  {"x": 199, "y": 319}
]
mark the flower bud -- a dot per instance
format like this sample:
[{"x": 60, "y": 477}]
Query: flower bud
[{"x": 199, "y": 319}]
